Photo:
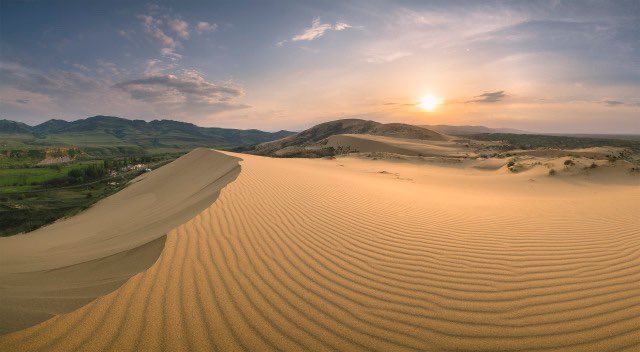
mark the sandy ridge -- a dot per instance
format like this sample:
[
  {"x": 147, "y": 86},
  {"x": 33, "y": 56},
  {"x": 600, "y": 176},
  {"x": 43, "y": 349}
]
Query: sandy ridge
[{"x": 65, "y": 265}]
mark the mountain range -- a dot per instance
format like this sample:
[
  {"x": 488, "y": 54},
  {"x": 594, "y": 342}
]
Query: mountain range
[{"x": 99, "y": 132}]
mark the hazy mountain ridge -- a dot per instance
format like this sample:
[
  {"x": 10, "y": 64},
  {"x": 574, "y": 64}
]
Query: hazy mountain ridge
[
  {"x": 467, "y": 130},
  {"x": 100, "y": 131},
  {"x": 471, "y": 129}
]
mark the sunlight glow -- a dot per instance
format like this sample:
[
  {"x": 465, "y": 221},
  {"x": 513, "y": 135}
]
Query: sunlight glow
[{"x": 429, "y": 102}]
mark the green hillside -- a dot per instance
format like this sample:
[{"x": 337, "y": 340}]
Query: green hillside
[{"x": 108, "y": 135}]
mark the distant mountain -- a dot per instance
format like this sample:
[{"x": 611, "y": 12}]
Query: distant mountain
[
  {"x": 133, "y": 135},
  {"x": 466, "y": 130},
  {"x": 317, "y": 135},
  {"x": 13, "y": 127}
]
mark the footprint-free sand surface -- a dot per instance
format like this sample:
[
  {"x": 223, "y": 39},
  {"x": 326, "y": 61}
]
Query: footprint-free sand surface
[
  {"x": 66, "y": 265},
  {"x": 353, "y": 254},
  {"x": 370, "y": 143}
]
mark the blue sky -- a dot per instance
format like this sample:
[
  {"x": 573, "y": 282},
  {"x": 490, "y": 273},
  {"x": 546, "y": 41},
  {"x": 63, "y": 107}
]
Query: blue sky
[{"x": 553, "y": 66}]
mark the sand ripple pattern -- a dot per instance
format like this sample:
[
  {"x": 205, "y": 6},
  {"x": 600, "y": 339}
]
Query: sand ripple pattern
[{"x": 292, "y": 257}]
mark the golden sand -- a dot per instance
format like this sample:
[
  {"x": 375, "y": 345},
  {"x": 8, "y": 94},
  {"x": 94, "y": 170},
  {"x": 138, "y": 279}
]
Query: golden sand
[{"x": 353, "y": 254}]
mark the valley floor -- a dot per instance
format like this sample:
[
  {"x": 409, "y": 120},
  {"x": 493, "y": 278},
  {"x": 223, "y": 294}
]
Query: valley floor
[{"x": 380, "y": 255}]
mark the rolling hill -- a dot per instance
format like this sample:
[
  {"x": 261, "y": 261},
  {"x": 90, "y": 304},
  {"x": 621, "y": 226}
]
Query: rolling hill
[
  {"x": 109, "y": 134},
  {"x": 309, "y": 142}
]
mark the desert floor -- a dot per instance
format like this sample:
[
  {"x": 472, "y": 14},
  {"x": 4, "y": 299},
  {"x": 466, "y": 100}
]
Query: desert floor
[{"x": 361, "y": 254}]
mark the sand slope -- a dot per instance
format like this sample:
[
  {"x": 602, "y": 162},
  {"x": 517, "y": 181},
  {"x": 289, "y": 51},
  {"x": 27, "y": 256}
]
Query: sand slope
[
  {"x": 338, "y": 255},
  {"x": 367, "y": 143},
  {"x": 65, "y": 265}
]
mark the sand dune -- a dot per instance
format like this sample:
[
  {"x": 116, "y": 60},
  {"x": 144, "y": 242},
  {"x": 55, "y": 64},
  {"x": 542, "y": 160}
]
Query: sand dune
[
  {"x": 63, "y": 266},
  {"x": 353, "y": 254},
  {"x": 367, "y": 143}
]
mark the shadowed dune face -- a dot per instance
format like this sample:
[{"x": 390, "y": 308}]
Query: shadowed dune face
[
  {"x": 336, "y": 255},
  {"x": 63, "y": 266}
]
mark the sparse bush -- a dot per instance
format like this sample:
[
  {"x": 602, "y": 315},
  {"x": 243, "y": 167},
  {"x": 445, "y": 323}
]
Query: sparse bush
[
  {"x": 552, "y": 172},
  {"x": 593, "y": 165},
  {"x": 568, "y": 162},
  {"x": 511, "y": 163}
]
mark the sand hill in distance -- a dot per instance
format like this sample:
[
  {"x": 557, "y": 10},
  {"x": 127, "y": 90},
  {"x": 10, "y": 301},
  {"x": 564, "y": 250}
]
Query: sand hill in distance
[{"x": 312, "y": 141}]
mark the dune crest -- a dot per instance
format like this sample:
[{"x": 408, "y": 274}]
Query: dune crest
[
  {"x": 65, "y": 265},
  {"x": 337, "y": 255}
]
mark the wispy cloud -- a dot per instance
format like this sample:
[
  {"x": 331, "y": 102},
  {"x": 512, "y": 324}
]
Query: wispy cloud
[
  {"x": 80, "y": 67},
  {"x": 170, "y": 53},
  {"x": 187, "y": 90},
  {"x": 387, "y": 57},
  {"x": 187, "y": 95},
  {"x": 612, "y": 103},
  {"x": 317, "y": 30},
  {"x": 339, "y": 26},
  {"x": 107, "y": 68},
  {"x": 58, "y": 83},
  {"x": 180, "y": 27},
  {"x": 158, "y": 27},
  {"x": 492, "y": 97},
  {"x": 151, "y": 26},
  {"x": 126, "y": 33},
  {"x": 203, "y": 27}
]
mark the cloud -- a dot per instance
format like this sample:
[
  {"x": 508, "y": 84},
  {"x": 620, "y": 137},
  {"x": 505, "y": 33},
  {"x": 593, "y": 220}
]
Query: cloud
[
  {"x": 81, "y": 67},
  {"x": 203, "y": 27},
  {"x": 318, "y": 29},
  {"x": 387, "y": 57},
  {"x": 60, "y": 93},
  {"x": 341, "y": 26},
  {"x": 156, "y": 66},
  {"x": 152, "y": 28},
  {"x": 126, "y": 33},
  {"x": 492, "y": 97},
  {"x": 34, "y": 94},
  {"x": 170, "y": 53},
  {"x": 109, "y": 68},
  {"x": 612, "y": 103},
  {"x": 189, "y": 91},
  {"x": 58, "y": 83},
  {"x": 180, "y": 27}
]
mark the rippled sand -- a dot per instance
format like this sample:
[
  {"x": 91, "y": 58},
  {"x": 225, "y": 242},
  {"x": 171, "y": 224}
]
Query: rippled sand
[{"x": 352, "y": 254}]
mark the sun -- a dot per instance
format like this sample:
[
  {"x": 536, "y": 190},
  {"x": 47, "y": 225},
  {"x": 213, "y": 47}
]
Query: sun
[{"x": 429, "y": 102}]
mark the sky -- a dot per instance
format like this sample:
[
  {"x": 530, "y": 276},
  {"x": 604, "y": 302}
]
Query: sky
[{"x": 542, "y": 66}]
